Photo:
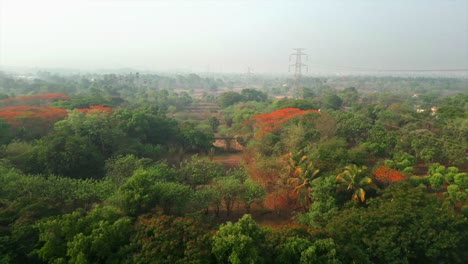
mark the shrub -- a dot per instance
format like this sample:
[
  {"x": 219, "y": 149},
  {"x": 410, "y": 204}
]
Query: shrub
[
  {"x": 461, "y": 179},
  {"x": 415, "y": 180},
  {"x": 408, "y": 170},
  {"x": 436, "y": 181},
  {"x": 425, "y": 180},
  {"x": 464, "y": 210}
]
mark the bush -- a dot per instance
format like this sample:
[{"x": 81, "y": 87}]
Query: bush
[
  {"x": 461, "y": 179},
  {"x": 453, "y": 189},
  {"x": 408, "y": 170},
  {"x": 425, "y": 180},
  {"x": 436, "y": 181},
  {"x": 415, "y": 180},
  {"x": 464, "y": 210},
  {"x": 436, "y": 168}
]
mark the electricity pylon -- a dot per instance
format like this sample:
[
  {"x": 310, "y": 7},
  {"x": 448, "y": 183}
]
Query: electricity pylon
[{"x": 297, "y": 69}]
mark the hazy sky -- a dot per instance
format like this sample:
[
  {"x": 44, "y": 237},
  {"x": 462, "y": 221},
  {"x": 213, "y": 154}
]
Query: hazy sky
[{"x": 228, "y": 36}]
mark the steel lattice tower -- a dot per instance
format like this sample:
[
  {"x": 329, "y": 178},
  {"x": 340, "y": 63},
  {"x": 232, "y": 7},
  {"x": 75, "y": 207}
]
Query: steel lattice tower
[{"x": 297, "y": 68}]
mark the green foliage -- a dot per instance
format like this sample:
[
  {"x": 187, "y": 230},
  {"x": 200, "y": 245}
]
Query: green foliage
[
  {"x": 332, "y": 101},
  {"x": 214, "y": 123},
  {"x": 72, "y": 156},
  {"x": 25, "y": 199},
  {"x": 120, "y": 168},
  {"x": 464, "y": 211},
  {"x": 415, "y": 181},
  {"x": 5, "y": 135},
  {"x": 253, "y": 193},
  {"x": 354, "y": 128},
  {"x": 239, "y": 243},
  {"x": 403, "y": 161},
  {"x": 436, "y": 168},
  {"x": 404, "y": 225},
  {"x": 96, "y": 237},
  {"x": 294, "y": 103},
  {"x": 324, "y": 206},
  {"x": 229, "y": 98},
  {"x": 450, "y": 175},
  {"x": 456, "y": 194},
  {"x": 193, "y": 139},
  {"x": 230, "y": 189},
  {"x": 321, "y": 251},
  {"x": 436, "y": 181},
  {"x": 153, "y": 188},
  {"x": 290, "y": 250},
  {"x": 168, "y": 239},
  {"x": 20, "y": 154},
  {"x": 354, "y": 179},
  {"x": 461, "y": 179},
  {"x": 200, "y": 171},
  {"x": 331, "y": 154},
  {"x": 148, "y": 125},
  {"x": 253, "y": 95},
  {"x": 381, "y": 142},
  {"x": 450, "y": 112}
]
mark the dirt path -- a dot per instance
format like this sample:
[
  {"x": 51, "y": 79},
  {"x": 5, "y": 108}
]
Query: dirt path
[{"x": 230, "y": 160}]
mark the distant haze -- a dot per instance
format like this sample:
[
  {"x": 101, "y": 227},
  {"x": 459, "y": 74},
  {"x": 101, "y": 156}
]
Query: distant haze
[{"x": 229, "y": 36}]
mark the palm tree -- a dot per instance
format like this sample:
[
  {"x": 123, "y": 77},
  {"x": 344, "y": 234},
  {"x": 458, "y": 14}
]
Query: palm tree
[
  {"x": 354, "y": 178},
  {"x": 302, "y": 172}
]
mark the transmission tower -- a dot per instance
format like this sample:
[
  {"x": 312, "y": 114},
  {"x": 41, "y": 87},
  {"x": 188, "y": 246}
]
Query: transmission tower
[
  {"x": 248, "y": 76},
  {"x": 297, "y": 68}
]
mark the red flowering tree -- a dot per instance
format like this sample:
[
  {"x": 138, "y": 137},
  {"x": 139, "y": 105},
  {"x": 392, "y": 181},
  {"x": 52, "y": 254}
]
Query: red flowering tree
[
  {"x": 266, "y": 123},
  {"x": 96, "y": 108},
  {"x": 29, "y": 122},
  {"x": 37, "y": 100},
  {"x": 386, "y": 175},
  {"x": 24, "y": 115}
]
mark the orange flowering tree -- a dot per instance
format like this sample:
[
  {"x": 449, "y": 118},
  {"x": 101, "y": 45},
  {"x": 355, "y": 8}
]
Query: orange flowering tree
[
  {"x": 266, "y": 123},
  {"x": 386, "y": 175},
  {"x": 22, "y": 115},
  {"x": 31, "y": 121},
  {"x": 95, "y": 108},
  {"x": 37, "y": 99}
]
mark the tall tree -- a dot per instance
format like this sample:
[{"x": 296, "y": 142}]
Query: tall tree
[{"x": 354, "y": 179}]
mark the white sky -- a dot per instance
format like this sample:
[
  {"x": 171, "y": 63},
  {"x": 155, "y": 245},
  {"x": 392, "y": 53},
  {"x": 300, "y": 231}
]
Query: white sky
[{"x": 228, "y": 35}]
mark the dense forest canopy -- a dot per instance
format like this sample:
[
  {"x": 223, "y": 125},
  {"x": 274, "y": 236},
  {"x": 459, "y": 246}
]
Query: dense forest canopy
[{"x": 159, "y": 168}]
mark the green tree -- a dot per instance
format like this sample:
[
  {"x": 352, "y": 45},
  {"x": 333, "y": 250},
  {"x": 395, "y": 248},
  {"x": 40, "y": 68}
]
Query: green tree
[
  {"x": 324, "y": 206},
  {"x": 302, "y": 172},
  {"x": 200, "y": 171},
  {"x": 167, "y": 239},
  {"x": 333, "y": 102},
  {"x": 96, "y": 237},
  {"x": 214, "y": 123},
  {"x": 5, "y": 135},
  {"x": 403, "y": 225},
  {"x": 253, "y": 193},
  {"x": 230, "y": 189},
  {"x": 239, "y": 243},
  {"x": 354, "y": 179},
  {"x": 253, "y": 95},
  {"x": 229, "y": 98},
  {"x": 153, "y": 188},
  {"x": 321, "y": 251},
  {"x": 69, "y": 155},
  {"x": 192, "y": 139},
  {"x": 120, "y": 168}
]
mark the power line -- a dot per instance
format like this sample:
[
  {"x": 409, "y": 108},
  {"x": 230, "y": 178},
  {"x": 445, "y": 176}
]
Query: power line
[{"x": 392, "y": 70}]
